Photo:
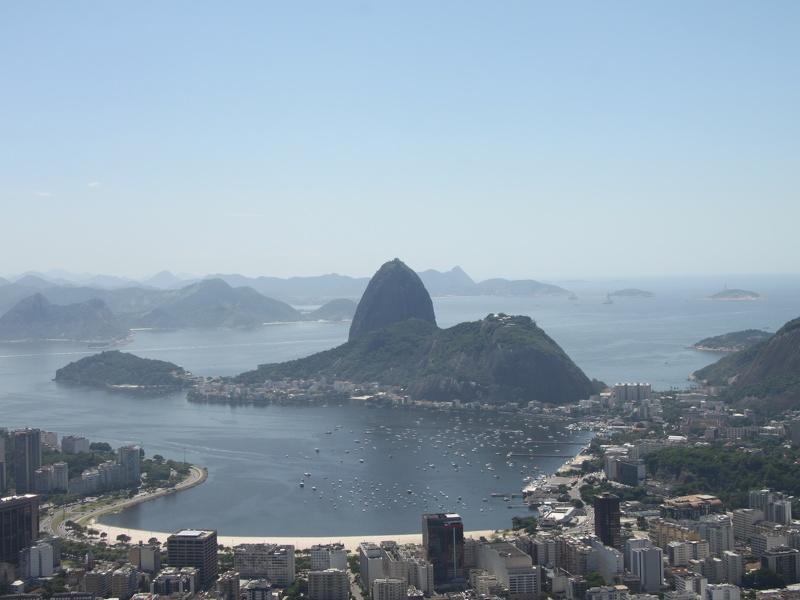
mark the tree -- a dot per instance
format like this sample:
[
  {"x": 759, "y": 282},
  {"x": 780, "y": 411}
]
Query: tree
[
  {"x": 577, "y": 502},
  {"x": 594, "y": 579},
  {"x": 100, "y": 446},
  {"x": 763, "y": 579},
  {"x": 123, "y": 538},
  {"x": 529, "y": 524}
]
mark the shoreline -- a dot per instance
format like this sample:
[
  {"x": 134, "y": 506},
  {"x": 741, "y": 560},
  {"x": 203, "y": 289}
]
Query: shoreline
[
  {"x": 300, "y": 542},
  {"x": 350, "y": 542}
]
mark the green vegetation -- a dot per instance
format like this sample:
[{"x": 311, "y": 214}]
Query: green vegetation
[
  {"x": 734, "y": 341},
  {"x": 763, "y": 579},
  {"x": 297, "y": 590},
  {"x": 158, "y": 472},
  {"x": 77, "y": 463},
  {"x": 594, "y": 579},
  {"x": 498, "y": 359},
  {"x": 529, "y": 524},
  {"x": 727, "y": 472},
  {"x": 626, "y": 494},
  {"x": 115, "y": 368}
]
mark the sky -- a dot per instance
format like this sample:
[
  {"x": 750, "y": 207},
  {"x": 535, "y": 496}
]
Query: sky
[{"x": 516, "y": 139}]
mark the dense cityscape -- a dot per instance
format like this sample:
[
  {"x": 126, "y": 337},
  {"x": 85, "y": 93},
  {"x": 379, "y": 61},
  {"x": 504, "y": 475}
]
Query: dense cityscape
[{"x": 611, "y": 524}]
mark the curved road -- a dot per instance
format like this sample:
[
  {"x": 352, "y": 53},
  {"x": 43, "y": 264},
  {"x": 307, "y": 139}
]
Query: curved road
[{"x": 83, "y": 514}]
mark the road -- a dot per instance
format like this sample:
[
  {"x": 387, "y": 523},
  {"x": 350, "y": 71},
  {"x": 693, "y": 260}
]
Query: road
[{"x": 54, "y": 522}]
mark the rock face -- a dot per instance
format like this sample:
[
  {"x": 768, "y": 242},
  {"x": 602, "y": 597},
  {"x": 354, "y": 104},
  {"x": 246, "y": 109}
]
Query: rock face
[
  {"x": 395, "y": 293},
  {"x": 35, "y": 318}
]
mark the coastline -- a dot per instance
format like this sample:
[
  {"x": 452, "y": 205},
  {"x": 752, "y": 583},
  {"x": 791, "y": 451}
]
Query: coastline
[{"x": 350, "y": 542}]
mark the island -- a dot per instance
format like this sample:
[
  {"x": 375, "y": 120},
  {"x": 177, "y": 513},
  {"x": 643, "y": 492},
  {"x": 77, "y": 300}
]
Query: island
[
  {"x": 122, "y": 371},
  {"x": 732, "y": 342},
  {"x": 735, "y": 294},
  {"x": 395, "y": 341},
  {"x": 632, "y": 293}
]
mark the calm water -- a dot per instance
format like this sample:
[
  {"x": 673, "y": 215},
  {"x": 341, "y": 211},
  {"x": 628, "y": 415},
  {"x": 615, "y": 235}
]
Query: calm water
[{"x": 257, "y": 456}]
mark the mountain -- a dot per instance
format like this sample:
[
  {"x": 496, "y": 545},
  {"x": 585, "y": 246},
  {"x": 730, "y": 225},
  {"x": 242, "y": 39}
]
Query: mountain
[
  {"x": 394, "y": 341},
  {"x": 301, "y": 290},
  {"x": 518, "y": 287},
  {"x": 123, "y": 370},
  {"x": 498, "y": 359},
  {"x": 36, "y": 282},
  {"x": 632, "y": 293},
  {"x": 214, "y": 303},
  {"x": 733, "y": 342},
  {"x": 4, "y": 281},
  {"x": 768, "y": 371},
  {"x": 735, "y": 294},
  {"x": 342, "y": 309},
  {"x": 164, "y": 280},
  {"x": 395, "y": 293},
  {"x": 454, "y": 282},
  {"x": 35, "y": 318}
]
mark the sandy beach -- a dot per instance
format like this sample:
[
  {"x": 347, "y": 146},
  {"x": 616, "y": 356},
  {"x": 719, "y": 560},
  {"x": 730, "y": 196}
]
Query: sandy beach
[{"x": 350, "y": 542}]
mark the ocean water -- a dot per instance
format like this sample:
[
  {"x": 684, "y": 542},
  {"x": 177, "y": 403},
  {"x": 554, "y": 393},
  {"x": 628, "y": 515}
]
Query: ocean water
[{"x": 393, "y": 465}]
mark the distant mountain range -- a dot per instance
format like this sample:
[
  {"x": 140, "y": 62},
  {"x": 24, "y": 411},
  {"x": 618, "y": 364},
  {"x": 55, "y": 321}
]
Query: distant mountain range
[
  {"x": 35, "y": 318},
  {"x": 394, "y": 340},
  {"x": 292, "y": 290}
]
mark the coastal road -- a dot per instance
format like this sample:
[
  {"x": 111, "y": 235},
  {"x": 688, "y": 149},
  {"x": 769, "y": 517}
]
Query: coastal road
[{"x": 84, "y": 514}]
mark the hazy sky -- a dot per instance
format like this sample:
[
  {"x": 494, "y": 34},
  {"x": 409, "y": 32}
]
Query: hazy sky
[{"x": 518, "y": 139}]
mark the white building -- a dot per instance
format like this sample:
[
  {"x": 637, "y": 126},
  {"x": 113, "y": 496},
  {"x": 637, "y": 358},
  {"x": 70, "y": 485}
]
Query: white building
[
  {"x": 733, "y": 565},
  {"x": 37, "y": 561},
  {"x": 270, "y": 561},
  {"x": 72, "y": 444},
  {"x": 389, "y": 589},
  {"x": 648, "y": 566},
  {"x": 370, "y": 558},
  {"x": 330, "y": 584},
  {"x": 513, "y": 569},
  {"x": 723, "y": 591},
  {"x": 328, "y": 556}
]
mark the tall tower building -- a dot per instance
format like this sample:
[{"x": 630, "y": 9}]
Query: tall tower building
[
  {"x": 606, "y": 519},
  {"x": 130, "y": 457},
  {"x": 443, "y": 540},
  {"x": 194, "y": 548},
  {"x": 19, "y": 525},
  {"x": 27, "y": 458}
]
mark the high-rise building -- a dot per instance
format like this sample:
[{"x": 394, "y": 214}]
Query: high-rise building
[
  {"x": 228, "y": 585},
  {"x": 632, "y": 392},
  {"x": 269, "y": 561},
  {"x": 389, "y": 589},
  {"x": 777, "y": 507},
  {"x": 718, "y": 531},
  {"x": 146, "y": 558},
  {"x": 258, "y": 589},
  {"x": 19, "y": 525},
  {"x": 124, "y": 582},
  {"x": 783, "y": 561},
  {"x": 60, "y": 477},
  {"x": 722, "y": 591},
  {"x": 328, "y": 556},
  {"x": 2, "y": 465},
  {"x": 27, "y": 458},
  {"x": 194, "y": 548},
  {"x": 73, "y": 444},
  {"x": 733, "y": 567},
  {"x": 606, "y": 519},
  {"x": 330, "y": 584},
  {"x": 648, "y": 566},
  {"x": 130, "y": 458},
  {"x": 36, "y": 561},
  {"x": 512, "y": 568},
  {"x": 443, "y": 540}
]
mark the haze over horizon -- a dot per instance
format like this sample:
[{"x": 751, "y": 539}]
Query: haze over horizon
[{"x": 523, "y": 141}]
